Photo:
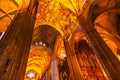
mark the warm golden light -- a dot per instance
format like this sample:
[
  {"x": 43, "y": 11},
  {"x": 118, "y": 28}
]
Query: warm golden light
[
  {"x": 38, "y": 63},
  {"x": 109, "y": 40},
  {"x": 8, "y": 9},
  {"x": 60, "y": 49}
]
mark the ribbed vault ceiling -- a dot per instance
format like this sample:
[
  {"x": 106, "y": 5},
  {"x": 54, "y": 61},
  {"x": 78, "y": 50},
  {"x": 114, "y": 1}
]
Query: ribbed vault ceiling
[
  {"x": 58, "y": 13},
  {"x": 61, "y": 14}
]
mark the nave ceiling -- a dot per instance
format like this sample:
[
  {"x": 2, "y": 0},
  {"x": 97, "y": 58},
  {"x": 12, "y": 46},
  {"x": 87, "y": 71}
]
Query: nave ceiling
[{"x": 62, "y": 14}]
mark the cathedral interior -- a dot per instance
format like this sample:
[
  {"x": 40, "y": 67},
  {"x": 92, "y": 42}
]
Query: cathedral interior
[{"x": 59, "y": 39}]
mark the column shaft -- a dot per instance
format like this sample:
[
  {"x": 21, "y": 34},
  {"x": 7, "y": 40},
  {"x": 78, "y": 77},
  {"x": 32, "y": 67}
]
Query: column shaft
[
  {"x": 108, "y": 60},
  {"x": 55, "y": 73},
  {"x": 15, "y": 44},
  {"x": 72, "y": 62}
]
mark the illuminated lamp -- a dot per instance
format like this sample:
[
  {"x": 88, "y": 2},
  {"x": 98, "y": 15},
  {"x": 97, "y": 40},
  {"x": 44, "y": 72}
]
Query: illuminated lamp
[
  {"x": 61, "y": 54},
  {"x": 31, "y": 75}
]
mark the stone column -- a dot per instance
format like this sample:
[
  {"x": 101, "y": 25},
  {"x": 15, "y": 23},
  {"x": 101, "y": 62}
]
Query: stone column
[
  {"x": 54, "y": 67},
  {"x": 72, "y": 62},
  {"x": 108, "y": 60},
  {"x": 15, "y": 44}
]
